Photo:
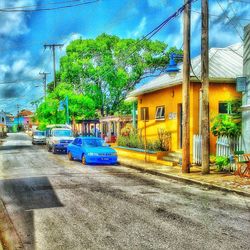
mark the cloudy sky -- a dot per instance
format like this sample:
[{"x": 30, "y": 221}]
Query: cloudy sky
[{"x": 22, "y": 35}]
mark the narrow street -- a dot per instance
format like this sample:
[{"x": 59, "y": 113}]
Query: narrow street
[{"x": 57, "y": 204}]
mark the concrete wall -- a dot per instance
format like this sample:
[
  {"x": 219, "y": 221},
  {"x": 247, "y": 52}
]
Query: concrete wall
[{"x": 246, "y": 95}]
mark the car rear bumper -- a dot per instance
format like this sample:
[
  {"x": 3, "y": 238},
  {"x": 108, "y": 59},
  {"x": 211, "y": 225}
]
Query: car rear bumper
[
  {"x": 101, "y": 159},
  {"x": 61, "y": 147},
  {"x": 39, "y": 141}
]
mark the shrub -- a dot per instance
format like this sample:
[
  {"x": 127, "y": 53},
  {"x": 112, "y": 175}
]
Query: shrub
[{"x": 221, "y": 162}]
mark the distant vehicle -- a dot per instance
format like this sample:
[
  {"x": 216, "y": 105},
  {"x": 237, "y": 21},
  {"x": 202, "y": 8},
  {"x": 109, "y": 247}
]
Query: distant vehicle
[
  {"x": 91, "y": 150},
  {"x": 38, "y": 137},
  {"x": 58, "y": 137}
]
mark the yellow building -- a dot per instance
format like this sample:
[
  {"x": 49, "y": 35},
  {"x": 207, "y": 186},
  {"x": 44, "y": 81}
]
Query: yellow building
[{"x": 160, "y": 100}]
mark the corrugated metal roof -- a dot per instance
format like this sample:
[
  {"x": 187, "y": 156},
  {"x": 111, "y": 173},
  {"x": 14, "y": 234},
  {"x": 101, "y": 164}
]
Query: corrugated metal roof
[{"x": 224, "y": 64}]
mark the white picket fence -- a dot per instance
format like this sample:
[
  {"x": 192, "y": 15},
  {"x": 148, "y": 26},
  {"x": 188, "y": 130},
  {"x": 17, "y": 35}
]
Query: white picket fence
[
  {"x": 222, "y": 146},
  {"x": 197, "y": 143}
]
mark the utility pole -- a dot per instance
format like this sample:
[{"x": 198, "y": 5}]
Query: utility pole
[
  {"x": 17, "y": 106},
  {"x": 205, "y": 90},
  {"x": 53, "y": 47},
  {"x": 44, "y": 74},
  {"x": 186, "y": 90}
]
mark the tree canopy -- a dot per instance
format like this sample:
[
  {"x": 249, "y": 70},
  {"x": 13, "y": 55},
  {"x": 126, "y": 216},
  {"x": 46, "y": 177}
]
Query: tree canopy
[{"x": 99, "y": 73}]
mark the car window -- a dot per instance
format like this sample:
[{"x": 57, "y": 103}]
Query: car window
[
  {"x": 75, "y": 141},
  {"x": 94, "y": 143},
  {"x": 79, "y": 142},
  {"x": 40, "y": 133},
  {"x": 61, "y": 133}
]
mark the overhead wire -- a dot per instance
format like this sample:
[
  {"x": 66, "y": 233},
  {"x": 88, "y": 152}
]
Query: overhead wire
[
  {"x": 39, "y": 5},
  {"x": 150, "y": 34},
  {"x": 224, "y": 12},
  {"x": 49, "y": 9}
]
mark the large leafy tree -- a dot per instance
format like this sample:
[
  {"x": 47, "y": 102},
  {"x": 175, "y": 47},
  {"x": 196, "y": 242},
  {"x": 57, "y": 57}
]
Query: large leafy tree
[
  {"x": 105, "y": 69},
  {"x": 80, "y": 106}
]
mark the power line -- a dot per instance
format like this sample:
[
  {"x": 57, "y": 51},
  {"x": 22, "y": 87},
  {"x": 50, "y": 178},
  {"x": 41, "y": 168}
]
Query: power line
[
  {"x": 39, "y": 5},
  {"x": 214, "y": 15},
  {"x": 20, "y": 80},
  {"x": 48, "y": 9},
  {"x": 224, "y": 12},
  {"x": 151, "y": 34},
  {"x": 240, "y": 1}
]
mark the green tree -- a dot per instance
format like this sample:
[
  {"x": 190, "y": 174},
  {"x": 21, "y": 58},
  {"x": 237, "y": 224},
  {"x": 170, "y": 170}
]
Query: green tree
[
  {"x": 108, "y": 67},
  {"x": 80, "y": 106}
]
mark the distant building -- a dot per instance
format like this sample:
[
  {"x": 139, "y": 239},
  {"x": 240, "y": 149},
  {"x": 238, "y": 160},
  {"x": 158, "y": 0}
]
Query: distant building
[
  {"x": 23, "y": 120},
  {"x": 3, "y": 127},
  {"x": 246, "y": 93}
]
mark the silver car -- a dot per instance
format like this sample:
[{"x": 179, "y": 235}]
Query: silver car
[{"x": 39, "y": 137}]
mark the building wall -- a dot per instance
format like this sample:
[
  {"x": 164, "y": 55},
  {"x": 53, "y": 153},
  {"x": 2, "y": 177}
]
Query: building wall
[
  {"x": 172, "y": 99},
  {"x": 246, "y": 95}
]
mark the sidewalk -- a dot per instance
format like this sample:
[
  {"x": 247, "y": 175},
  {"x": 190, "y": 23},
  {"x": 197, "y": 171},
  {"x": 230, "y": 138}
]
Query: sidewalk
[
  {"x": 9, "y": 238},
  {"x": 220, "y": 181}
]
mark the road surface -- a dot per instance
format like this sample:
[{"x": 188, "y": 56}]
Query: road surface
[{"x": 57, "y": 204}]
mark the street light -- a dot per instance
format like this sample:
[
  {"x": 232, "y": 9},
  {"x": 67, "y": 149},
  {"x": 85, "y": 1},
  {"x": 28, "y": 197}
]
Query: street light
[{"x": 172, "y": 68}]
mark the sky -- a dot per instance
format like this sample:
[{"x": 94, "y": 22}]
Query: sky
[{"x": 22, "y": 35}]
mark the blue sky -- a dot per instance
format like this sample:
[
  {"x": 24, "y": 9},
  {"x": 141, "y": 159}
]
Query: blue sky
[{"x": 22, "y": 35}]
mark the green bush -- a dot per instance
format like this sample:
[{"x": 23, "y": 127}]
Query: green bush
[{"x": 222, "y": 162}]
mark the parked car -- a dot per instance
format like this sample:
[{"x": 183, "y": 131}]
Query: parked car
[
  {"x": 58, "y": 139},
  {"x": 91, "y": 150},
  {"x": 38, "y": 137}
]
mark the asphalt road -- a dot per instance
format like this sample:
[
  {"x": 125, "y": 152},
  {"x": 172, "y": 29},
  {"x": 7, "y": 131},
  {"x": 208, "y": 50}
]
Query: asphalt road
[{"x": 57, "y": 204}]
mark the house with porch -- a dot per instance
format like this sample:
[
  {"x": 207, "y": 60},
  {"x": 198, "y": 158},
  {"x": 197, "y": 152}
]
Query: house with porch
[{"x": 160, "y": 100}]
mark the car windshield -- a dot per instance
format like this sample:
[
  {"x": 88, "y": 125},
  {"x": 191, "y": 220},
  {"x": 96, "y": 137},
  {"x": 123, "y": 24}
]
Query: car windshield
[
  {"x": 61, "y": 133},
  {"x": 39, "y": 133},
  {"x": 94, "y": 143}
]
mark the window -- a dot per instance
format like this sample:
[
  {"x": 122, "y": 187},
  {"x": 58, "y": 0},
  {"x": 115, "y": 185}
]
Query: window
[
  {"x": 227, "y": 107},
  {"x": 144, "y": 114},
  {"x": 223, "y": 108},
  {"x": 160, "y": 113}
]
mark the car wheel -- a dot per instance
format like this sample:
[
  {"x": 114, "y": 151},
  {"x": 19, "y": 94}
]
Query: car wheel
[
  {"x": 70, "y": 156},
  {"x": 53, "y": 150},
  {"x": 83, "y": 160}
]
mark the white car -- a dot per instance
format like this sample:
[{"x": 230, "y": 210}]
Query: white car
[{"x": 58, "y": 139}]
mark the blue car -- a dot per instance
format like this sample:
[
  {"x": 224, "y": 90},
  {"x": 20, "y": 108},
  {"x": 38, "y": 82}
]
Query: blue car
[{"x": 91, "y": 150}]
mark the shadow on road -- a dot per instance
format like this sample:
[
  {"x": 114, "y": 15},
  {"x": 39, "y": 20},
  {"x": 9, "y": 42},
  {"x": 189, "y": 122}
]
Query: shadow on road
[
  {"x": 14, "y": 147},
  {"x": 24, "y": 195}
]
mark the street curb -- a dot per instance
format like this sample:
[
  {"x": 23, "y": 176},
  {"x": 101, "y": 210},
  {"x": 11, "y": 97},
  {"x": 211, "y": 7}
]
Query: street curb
[
  {"x": 9, "y": 238},
  {"x": 183, "y": 179}
]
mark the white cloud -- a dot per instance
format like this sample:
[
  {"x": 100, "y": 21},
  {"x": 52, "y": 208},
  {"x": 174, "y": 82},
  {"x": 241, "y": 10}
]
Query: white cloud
[
  {"x": 139, "y": 29},
  {"x": 157, "y": 3},
  {"x": 14, "y": 23}
]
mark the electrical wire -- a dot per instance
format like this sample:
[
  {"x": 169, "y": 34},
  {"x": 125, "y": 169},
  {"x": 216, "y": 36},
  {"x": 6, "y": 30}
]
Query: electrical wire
[
  {"x": 39, "y": 5},
  {"x": 149, "y": 35},
  {"x": 214, "y": 15},
  {"x": 224, "y": 12},
  {"x": 20, "y": 80},
  {"x": 49, "y": 9}
]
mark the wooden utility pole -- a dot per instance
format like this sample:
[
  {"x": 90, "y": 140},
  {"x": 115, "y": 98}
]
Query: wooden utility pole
[
  {"x": 185, "y": 91},
  {"x": 52, "y": 47},
  {"x": 205, "y": 90},
  {"x": 44, "y": 74}
]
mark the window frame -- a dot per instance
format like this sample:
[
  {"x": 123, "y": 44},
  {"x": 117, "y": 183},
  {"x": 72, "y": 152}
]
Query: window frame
[
  {"x": 162, "y": 109},
  {"x": 147, "y": 113},
  {"x": 229, "y": 107}
]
